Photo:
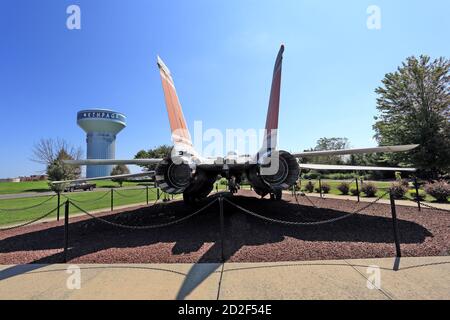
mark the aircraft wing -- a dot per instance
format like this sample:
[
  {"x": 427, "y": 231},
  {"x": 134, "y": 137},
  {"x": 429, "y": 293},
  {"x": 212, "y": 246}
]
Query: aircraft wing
[
  {"x": 110, "y": 161},
  {"x": 400, "y": 148},
  {"x": 351, "y": 168},
  {"x": 130, "y": 175}
]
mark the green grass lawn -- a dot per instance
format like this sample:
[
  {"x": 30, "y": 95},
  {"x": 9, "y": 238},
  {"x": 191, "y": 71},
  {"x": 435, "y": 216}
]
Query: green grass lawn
[
  {"x": 42, "y": 186},
  {"x": 86, "y": 200},
  {"x": 381, "y": 185},
  {"x": 20, "y": 187}
]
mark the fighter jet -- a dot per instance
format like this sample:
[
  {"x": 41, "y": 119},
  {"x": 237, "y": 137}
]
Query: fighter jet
[{"x": 269, "y": 171}]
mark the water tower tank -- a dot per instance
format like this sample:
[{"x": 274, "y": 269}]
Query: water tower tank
[{"x": 101, "y": 127}]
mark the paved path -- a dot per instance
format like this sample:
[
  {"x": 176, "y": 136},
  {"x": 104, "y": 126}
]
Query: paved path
[
  {"x": 410, "y": 203},
  {"x": 25, "y": 195},
  {"x": 414, "y": 278},
  {"x": 50, "y": 193}
]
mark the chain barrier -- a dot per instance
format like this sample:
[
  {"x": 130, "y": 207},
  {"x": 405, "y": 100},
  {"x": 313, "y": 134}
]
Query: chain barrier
[
  {"x": 32, "y": 221},
  {"x": 144, "y": 227},
  {"x": 161, "y": 194},
  {"x": 131, "y": 196},
  {"x": 309, "y": 223},
  {"x": 298, "y": 203},
  {"x": 308, "y": 198},
  {"x": 26, "y": 208},
  {"x": 89, "y": 200},
  {"x": 433, "y": 208},
  {"x": 371, "y": 203}
]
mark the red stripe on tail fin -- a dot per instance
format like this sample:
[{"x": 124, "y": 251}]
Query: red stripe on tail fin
[
  {"x": 180, "y": 132},
  {"x": 274, "y": 103}
]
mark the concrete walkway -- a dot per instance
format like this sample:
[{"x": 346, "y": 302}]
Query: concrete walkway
[
  {"x": 409, "y": 203},
  {"x": 51, "y": 193},
  {"x": 414, "y": 278}
]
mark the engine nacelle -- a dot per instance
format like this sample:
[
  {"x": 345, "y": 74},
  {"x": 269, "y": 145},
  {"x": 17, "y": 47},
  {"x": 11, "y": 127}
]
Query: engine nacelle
[
  {"x": 285, "y": 174},
  {"x": 174, "y": 178}
]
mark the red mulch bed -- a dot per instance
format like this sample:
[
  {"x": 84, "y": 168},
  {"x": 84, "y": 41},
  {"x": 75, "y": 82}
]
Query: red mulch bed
[{"x": 247, "y": 239}]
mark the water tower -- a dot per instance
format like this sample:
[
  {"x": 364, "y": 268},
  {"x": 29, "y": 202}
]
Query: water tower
[{"x": 101, "y": 127}]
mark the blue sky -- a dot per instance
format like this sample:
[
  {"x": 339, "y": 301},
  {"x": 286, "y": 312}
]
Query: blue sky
[{"x": 221, "y": 54}]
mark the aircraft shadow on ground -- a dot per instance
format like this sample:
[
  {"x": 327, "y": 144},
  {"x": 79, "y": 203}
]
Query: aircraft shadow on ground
[{"x": 91, "y": 236}]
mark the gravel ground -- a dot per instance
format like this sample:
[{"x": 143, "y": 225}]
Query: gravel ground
[{"x": 247, "y": 239}]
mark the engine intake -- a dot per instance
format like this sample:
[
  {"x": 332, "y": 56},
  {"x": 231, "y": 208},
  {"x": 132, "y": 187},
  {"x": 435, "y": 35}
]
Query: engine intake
[
  {"x": 173, "y": 178},
  {"x": 285, "y": 176}
]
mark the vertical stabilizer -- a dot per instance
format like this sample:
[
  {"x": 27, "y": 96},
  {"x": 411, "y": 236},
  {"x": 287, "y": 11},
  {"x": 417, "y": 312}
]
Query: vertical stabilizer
[
  {"x": 270, "y": 137},
  {"x": 180, "y": 132}
]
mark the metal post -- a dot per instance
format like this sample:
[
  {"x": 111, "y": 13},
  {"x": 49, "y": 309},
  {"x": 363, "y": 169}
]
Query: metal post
[
  {"x": 59, "y": 203},
  {"x": 293, "y": 190},
  {"x": 157, "y": 193},
  {"x": 217, "y": 187},
  {"x": 66, "y": 230},
  {"x": 320, "y": 187},
  {"x": 221, "y": 228},
  {"x": 395, "y": 223},
  {"x": 416, "y": 185},
  {"x": 357, "y": 189},
  {"x": 147, "y": 193},
  {"x": 112, "y": 199}
]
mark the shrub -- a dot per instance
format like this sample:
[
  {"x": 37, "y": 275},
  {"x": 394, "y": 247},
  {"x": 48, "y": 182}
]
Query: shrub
[
  {"x": 369, "y": 189},
  {"x": 405, "y": 183},
  {"x": 439, "y": 190},
  {"x": 325, "y": 187},
  {"x": 309, "y": 187},
  {"x": 354, "y": 192},
  {"x": 398, "y": 190},
  {"x": 344, "y": 187}
]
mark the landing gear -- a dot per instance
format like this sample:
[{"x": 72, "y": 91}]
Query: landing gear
[
  {"x": 189, "y": 199},
  {"x": 193, "y": 198},
  {"x": 233, "y": 184},
  {"x": 277, "y": 195}
]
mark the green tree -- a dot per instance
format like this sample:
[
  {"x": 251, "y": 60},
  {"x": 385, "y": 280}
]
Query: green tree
[
  {"x": 161, "y": 151},
  {"x": 413, "y": 105},
  {"x": 51, "y": 153},
  {"x": 329, "y": 144},
  {"x": 58, "y": 171},
  {"x": 118, "y": 170}
]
